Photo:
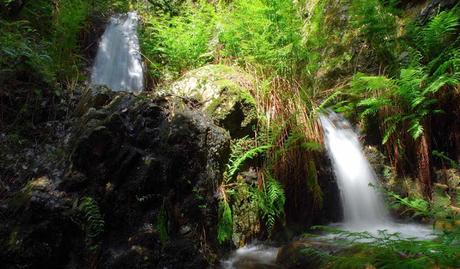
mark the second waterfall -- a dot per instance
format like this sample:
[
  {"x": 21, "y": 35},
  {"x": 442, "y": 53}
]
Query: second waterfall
[
  {"x": 364, "y": 208},
  {"x": 362, "y": 205}
]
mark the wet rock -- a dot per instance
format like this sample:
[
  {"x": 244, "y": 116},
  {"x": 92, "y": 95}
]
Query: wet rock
[
  {"x": 433, "y": 8},
  {"x": 377, "y": 161},
  {"x": 246, "y": 225},
  {"x": 224, "y": 93},
  {"x": 150, "y": 162},
  {"x": 36, "y": 230}
]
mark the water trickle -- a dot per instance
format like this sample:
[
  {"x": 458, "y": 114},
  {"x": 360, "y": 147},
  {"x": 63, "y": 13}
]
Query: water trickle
[
  {"x": 118, "y": 63},
  {"x": 363, "y": 206},
  {"x": 252, "y": 256}
]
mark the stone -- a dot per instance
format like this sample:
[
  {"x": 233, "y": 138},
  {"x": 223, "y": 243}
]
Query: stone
[
  {"x": 151, "y": 160},
  {"x": 224, "y": 93},
  {"x": 304, "y": 254},
  {"x": 36, "y": 230}
]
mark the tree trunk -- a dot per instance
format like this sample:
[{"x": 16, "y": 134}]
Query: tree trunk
[{"x": 423, "y": 161}]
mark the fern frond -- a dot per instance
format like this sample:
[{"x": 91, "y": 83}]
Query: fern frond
[
  {"x": 225, "y": 224},
  {"x": 94, "y": 222},
  {"x": 270, "y": 202},
  {"x": 438, "y": 30},
  {"x": 236, "y": 164}
]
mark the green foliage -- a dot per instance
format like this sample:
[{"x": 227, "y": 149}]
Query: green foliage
[
  {"x": 161, "y": 225},
  {"x": 387, "y": 250},
  {"x": 377, "y": 25},
  {"x": 313, "y": 184},
  {"x": 23, "y": 50},
  {"x": 270, "y": 201},
  {"x": 175, "y": 44},
  {"x": 93, "y": 220},
  {"x": 239, "y": 156},
  {"x": 264, "y": 33},
  {"x": 69, "y": 19},
  {"x": 444, "y": 157},
  {"x": 412, "y": 94},
  {"x": 416, "y": 207},
  {"x": 225, "y": 224},
  {"x": 441, "y": 30}
]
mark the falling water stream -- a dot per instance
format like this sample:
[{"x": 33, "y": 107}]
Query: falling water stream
[
  {"x": 118, "y": 63},
  {"x": 363, "y": 206}
]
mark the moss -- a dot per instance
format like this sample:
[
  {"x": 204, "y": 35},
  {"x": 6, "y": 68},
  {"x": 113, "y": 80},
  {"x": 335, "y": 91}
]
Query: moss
[
  {"x": 224, "y": 93},
  {"x": 245, "y": 215},
  {"x": 22, "y": 198}
]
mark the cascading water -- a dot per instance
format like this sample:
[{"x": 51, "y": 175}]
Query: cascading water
[
  {"x": 364, "y": 209},
  {"x": 362, "y": 205},
  {"x": 118, "y": 63}
]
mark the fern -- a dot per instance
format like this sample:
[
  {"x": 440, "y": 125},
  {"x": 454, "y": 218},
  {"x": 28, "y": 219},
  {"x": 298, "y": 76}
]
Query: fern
[
  {"x": 236, "y": 162},
  {"x": 271, "y": 202},
  {"x": 438, "y": 31},
  {"x": 94, "y": 222},
  {"x": 225, "y": 224},
  {"x": 443, "y": 156},
  {"x": 388, "y": 250}
]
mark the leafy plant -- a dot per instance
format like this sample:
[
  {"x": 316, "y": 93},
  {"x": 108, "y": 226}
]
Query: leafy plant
[
  {"x": 236, "y": 161},
  {"x": 444, "y": 157},
  {"x": 270, "y": 201},
  {"x": 175, "y": 44},
  {"x": 93, "y": 220},
  {"x": 263, "y": 33},
  {"x": 377, "y": 25},
  {"x": 225, "y": 224},
  {"x": 390, "y": 250},
  {"x": 69, "y": 19},
  {"x": 161, "y": 225}
]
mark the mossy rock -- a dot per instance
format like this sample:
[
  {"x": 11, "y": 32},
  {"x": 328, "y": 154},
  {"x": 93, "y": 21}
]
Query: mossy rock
[
  {"x": 246, "y": 225},
  {"x": 224, "y": 93},
  {"x": 304, "y": 254}
]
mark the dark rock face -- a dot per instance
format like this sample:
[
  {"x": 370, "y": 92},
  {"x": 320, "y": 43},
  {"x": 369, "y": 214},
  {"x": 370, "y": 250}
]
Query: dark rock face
[
  {"x": 36, "y": 230},
  {"x": 435, "y": 6},
  {"x": 144, "y": 157},
  {"x": 151, "y": 165}
]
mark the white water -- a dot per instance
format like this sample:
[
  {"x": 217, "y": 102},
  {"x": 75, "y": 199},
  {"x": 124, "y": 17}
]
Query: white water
[
  {"x": 252, "y": 256},
  {"x": 363, "y": 206},
  {"x": 118, "y": 63}
]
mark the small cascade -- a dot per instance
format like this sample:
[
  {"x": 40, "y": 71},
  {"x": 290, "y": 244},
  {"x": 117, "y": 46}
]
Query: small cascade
[
  {"x": 363, "y": 206},
  {"x": 118, "y": 63}
]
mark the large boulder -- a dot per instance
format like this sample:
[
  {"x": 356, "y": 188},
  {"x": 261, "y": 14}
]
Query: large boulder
[
  {"x": 153, "y": 164},
  {"x": 224, "y": 93},
  {"x": 136, "y": 189}
]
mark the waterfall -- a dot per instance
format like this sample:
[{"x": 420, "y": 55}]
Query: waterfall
[
  {"x": 118, "y": 63},
  {"x": 363, "y": 206}
]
